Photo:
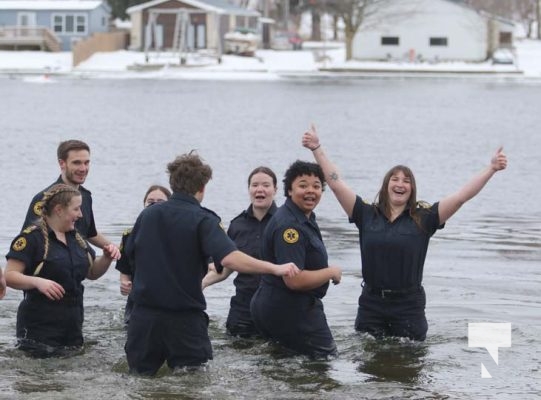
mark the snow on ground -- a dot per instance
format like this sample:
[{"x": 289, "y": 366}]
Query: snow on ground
[{"x": 311, "y": 59}]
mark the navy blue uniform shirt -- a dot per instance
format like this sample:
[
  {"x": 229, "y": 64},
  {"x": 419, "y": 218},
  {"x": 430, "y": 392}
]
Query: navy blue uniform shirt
[
  {"x": 170, "y": 246},
  {"x": 85, "y": 225},
  {"x": 66, "y": 264},
  {"x": 247, "y": 231},
  {"x": 123, "y": 265},
  {"x": 393, "y": 253},
  {"x": 290, "y": 236}
]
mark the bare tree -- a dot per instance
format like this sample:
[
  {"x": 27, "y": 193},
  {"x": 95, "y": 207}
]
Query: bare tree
[{"x": 525, "y": 12}]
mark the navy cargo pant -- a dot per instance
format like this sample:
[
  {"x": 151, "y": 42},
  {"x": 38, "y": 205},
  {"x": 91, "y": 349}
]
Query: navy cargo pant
[
  {"x": 239, "y": 320},
  {"x": 45, "y": 326},
  {"x": 392, "y": 314},
  {"x": 294, "y": 319},
  {"x": 155, "y": 336}
]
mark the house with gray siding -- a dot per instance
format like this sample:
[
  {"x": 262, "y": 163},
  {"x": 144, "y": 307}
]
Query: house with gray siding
[{"x": 66, "y": 20}]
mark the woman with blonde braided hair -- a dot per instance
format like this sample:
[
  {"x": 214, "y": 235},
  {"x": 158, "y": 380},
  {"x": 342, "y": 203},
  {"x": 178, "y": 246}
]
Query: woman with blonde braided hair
[{"x": 48, "y": 261}]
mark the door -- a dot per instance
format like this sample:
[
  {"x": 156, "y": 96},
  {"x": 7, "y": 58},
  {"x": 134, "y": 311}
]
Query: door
[{"x": 26, "y": 21}]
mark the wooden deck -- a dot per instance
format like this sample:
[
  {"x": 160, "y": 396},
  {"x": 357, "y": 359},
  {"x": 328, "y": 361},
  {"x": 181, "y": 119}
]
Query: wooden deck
[{"x": 23, "y": 38}]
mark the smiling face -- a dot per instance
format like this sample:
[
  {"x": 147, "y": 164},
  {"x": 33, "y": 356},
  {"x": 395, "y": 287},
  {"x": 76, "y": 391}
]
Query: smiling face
[
  {"x": 75, "y": 168},
  {"x": 305, "y": 192},
  {"x": 70, "y": 213},
  {"x": 262, "y": 191},
  {"x": 399, "y": 189}
]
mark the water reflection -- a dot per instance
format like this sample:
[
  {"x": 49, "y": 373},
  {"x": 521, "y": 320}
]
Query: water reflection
[
  {"x": 300, "y": 373},
  {"x": 393, "y": 359}
]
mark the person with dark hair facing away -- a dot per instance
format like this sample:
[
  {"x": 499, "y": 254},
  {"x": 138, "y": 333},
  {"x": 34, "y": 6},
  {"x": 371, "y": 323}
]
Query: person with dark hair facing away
[
  {"x": 74, "y": 161},
  {"x": 48, "y": 261},
  {"x": 246, "y": 230},
  {"x": 171, "y": 244},
  {"x": 394, "y": 233},
  {"x": 154, "y": 194},
  {"x": 286, "y": 309}
]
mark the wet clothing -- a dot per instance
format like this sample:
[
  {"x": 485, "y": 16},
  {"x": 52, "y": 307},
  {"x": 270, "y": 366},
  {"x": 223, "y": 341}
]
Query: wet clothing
[
  {"x": 124, "y": 266},
  {"x": 392, "y": 302},
  {"x": 295, "y": 319},
  {"x": 170, "y": 246},
  {"x": 85, "y": 225},
  {"x": 246, "y": 231},
  {"x": 54, "y": 323}
]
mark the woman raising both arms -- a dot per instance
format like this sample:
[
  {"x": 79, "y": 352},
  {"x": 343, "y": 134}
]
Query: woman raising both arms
[{"x": 394, "y": 233}]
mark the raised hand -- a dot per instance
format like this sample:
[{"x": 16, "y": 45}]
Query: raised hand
[
  {"x": 310, "y": 140},
  {"x": 499, "y": 160}
]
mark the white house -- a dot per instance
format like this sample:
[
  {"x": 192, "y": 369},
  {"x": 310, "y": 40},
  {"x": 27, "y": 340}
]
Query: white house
[{"x": 430, "y": 30}]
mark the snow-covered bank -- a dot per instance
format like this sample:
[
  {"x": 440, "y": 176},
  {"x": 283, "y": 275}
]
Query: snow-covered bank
[{"x": 267, "y": 64}]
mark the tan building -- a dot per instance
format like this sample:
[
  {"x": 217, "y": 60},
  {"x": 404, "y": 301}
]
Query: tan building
[{"x": 198, "y": 24}]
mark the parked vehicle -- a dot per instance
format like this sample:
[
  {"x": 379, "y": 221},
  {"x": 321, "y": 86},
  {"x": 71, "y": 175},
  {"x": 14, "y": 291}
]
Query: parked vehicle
[
  {"x": 243, "y": 42},
  {"x": 286, "y": 41},
  {"x": 503, "y": 56}
]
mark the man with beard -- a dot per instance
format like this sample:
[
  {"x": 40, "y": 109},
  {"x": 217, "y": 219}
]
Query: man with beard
[{"x": 74, "y": 162}]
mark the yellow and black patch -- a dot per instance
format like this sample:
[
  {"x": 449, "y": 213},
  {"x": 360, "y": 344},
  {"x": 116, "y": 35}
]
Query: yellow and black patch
[
  {"x": 423, "y": 204},
  {"x": 38, "y": 207},
  {"x": 291, "y": 236},
  {"x": 19, "y": 244}
]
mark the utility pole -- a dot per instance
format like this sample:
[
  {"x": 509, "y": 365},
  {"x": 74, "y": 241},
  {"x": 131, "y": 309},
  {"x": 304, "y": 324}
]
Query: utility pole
[{"x": 538, "y": 14}]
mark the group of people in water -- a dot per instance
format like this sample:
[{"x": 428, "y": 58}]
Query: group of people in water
[{"x": 177, "y": 248}]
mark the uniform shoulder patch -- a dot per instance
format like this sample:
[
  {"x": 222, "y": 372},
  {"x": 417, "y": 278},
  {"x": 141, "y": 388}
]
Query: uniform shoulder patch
[
  {"x": 290, "y": 235},
  {"x": 423, "y": 204},
  {"x": 38, "y": 206},
  {"x": 30, "y": 228},
  {"x": 19, "y": 244}
]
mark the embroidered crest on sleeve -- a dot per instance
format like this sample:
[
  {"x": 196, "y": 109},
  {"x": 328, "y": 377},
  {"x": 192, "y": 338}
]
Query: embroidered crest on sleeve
[
  {"x": 19, "y": 244},
  {"x": 38, "y": 207},
  {"x": 290, "y": 236}
]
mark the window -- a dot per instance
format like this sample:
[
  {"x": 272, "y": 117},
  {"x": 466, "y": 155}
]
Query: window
[
  {"x": 70, "y": 23},
  {"x": 57, "y": 23},
  {"x": 438, "y": 41},
  {"x": 506, "y": 38},
  {"x": 390, "y": 40},
  {"x": 80, "y": 24}
]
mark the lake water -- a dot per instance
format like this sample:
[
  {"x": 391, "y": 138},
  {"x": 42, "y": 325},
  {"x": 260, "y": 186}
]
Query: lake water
[{"x": 483, "y": 267}]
